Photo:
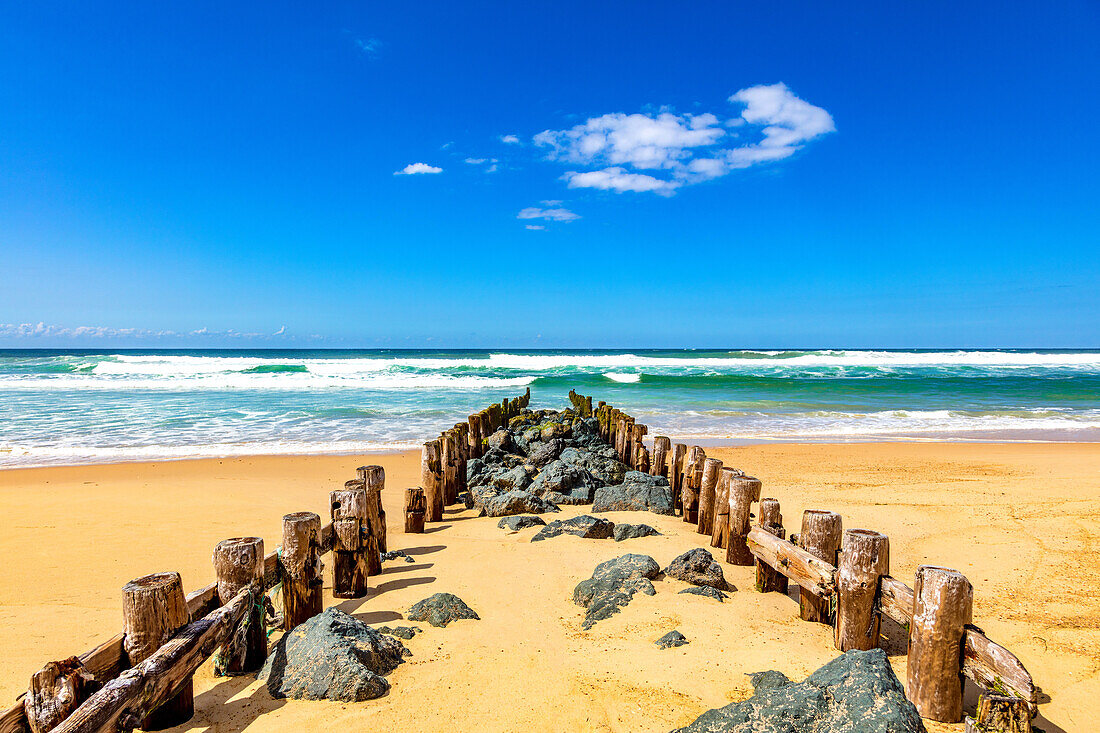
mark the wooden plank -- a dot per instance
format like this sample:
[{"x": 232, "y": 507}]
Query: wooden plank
[
  {"x": 995, "y": 668},
  {"x": 126, "y": 700},
  {"x": 895, "y": 600},
  {"x": 816, "y": 576},
  {"x": 14, "y": 720}
]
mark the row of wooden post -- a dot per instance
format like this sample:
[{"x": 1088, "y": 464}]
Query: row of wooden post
[
  {"x": 443, "y": 461},
  {"x": 155, "y": 610},
  {"x": 842, "y": 583}
]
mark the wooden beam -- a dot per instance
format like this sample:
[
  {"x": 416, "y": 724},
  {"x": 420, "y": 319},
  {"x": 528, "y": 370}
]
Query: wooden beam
[
  {"x": 995, "y": 668},
  {"x": 816, "y": 576}
]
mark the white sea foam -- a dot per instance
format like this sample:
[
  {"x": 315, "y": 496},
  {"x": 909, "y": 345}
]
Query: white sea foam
[{"x": 624, "y": 378}]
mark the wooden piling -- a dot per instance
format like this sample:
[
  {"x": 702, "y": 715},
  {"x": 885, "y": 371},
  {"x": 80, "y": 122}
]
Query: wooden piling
[
  {"x": 720, "y": 527},
  {"x": 769, "y": 519},
  {"x": 415, "y": 507},
  {"x": 350, "y": 560},
  {"x": 943, "y": 602},
  {"x": 449, "y": 463},
  {"x": 1000, "y": 714},
  {"x": 374, "y": 481},
  {"x": 743, "y": 491},
  {"x": 239, "y": 565},
  {"x": 431, "y": 478},
  {"x": 712, "y": 468},
  {"x": 820, "y": 536},
  {"x": 676, "y": 476},
  {"x": 300, "y": 560},
  {"x": 368, "y": 541},
  {"x": 474, "y": 438},
  {"x": 659, "y": 465},
  {"x": 693, "y": 474},
  {"x": 864, "y": 559}
]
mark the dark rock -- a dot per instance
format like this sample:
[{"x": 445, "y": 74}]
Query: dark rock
[
  {"x": 601, "y": 464},
  {"x": 563, "y": 478},
  {"x": 518, "y": 522},
  {"x": 586, "y": 432},
  {"x": 699, "y": 568},
  {"x": 502, "y": 440},
  {"x": 613, "y": 584},
  {"x": 546, "y": 452},
  {"x": 517, "y": 502},
  {"x": 514, "y": 479},
  {"x": 638, "y": 492},
  {"x": 441, "y": 609},
  {"x": 588, "y": 527},
  {"x": 566, "y": 499},
  {"x": 706, "y": 590},
  {"x": 332, "y": 656},
  {"x": 394, "y": 554},
  {"x": 633, "y": 531},
  {"x": 671, "y": 639},
  {"x": 769, "y": 680},
  {"x": 855, "y": 692},
  {"x": 401, "y": 632}
]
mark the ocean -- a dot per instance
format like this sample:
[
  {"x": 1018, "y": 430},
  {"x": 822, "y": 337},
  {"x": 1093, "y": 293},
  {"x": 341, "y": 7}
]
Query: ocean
[{"x": 72, "y": 407}]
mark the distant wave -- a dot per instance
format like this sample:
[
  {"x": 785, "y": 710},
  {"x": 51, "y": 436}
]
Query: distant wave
[
  {"x": 264, "y": 381},
  {"x": 624, "y": 378}
]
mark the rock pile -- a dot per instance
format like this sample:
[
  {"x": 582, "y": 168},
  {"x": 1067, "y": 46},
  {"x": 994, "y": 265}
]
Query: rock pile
[{"x": 547, "y": 458}]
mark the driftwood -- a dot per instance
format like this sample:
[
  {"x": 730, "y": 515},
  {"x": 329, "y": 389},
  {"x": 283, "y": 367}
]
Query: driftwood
[
  {"x": 129, "y": 698},
  {"x": 301, "y": 568},
  {"x": 56, "y": 691},
  {"x": 808, "y": 571},
  {"x": 943, "y": 601},
  {"x": 820, "y": 536},
  {"x": 864, "y": 558},
  {"x": 153, "y": 610}
]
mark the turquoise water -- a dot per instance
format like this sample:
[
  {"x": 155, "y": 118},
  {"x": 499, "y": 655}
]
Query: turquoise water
[{"x": 85, "y": 406}]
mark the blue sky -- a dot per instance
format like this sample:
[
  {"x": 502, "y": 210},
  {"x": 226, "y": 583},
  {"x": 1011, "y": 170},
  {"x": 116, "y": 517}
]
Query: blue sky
[{"x": 213, "y": 174}]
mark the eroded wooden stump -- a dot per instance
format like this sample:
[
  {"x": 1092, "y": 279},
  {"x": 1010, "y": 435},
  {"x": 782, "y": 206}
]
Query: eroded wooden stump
[
  {"x": 302, "y": 578},
  {"x": 943, "y": 602},
  {"x": 864, "y": 559},
  {"x": 820, "y": 536},
  {"x": 239, "y": 564}
]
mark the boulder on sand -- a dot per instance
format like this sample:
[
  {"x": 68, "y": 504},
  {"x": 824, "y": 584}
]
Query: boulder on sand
[
  {"x": 586, "y": 526},
  {"x": 332, "y": 656},
  {"x": 517, "y": 502},
  {"x": 698, "y": 568},
  {"x": 638, "y": 492},
  {"x": 671, "y": 639},
  {"x": 441, "y": 609},
  {"x": 613, "y": 584},
  {"x": 632, "y": 531},
  {"x": 521, "y": 521},
  {"x": 857, "y": 691}
]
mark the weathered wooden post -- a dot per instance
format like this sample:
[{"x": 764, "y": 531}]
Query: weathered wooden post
[
  {"x": 864, "y": 558},
  {"x": 743, "y": 491},
  {"x": 56, "y": 691},
  {"x": 693, "y": 476},
  {"x": 475, "y": 436},
  {"x": 350, "y": 559},
  {"x": 659, "y": 464},
  {"x": 374, "y": 480},
  {"x": 820, "y": 536},
  {"x": 676, "y": 476},
  {"x": 449, "y": 463},
  {"x": 154, "y": 608},
  {"x": 637, "y": 435},
  {"x": 431, "y": 477},
  {"x": 239, "y": 564},
  {"x": 301, "y": 568},
  {"x": 943, "y": 601},
  {"x": 720, "y": 527},
  {"x": 708, "y": 489},
  {"x": 415, "y": 507},
  {"x": 368, "y": 541},
  {"x": 1000, "y": 714},
  {"x": 768, "y": 579},
  {"x": 641, "y": 458}
]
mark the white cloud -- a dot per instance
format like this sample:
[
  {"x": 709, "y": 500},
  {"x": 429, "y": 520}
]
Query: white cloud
[
  {"x": 509, "y": 139},
  {"x": 415, "y": 168},
  {"x": 553, "y": 214},
  {"x": 535, "y": 227},
  {"x": 369, "y": 46},
  {"x": 40, "y": 331},
  {"x": 477, "y": 161},
  {"x": 678, "y": 150}
]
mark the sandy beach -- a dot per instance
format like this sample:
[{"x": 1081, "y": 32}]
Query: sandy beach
[{"x": 1021, "y": 521}]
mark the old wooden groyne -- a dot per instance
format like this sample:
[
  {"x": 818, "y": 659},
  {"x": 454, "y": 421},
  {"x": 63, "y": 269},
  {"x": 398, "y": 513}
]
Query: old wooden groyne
[{"x": 843, "y": 576}]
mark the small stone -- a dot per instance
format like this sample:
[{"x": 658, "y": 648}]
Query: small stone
[
  {"x": 705, "y": 590},
  {"x": 671, "y": 639},
  {"x": 633, "y": 531},
  {"x": 441, "y": 609},
  {"x": 520, "y": 521},
  {"x": 401, "y": 632},
  {"x": 394, "y": 554}
]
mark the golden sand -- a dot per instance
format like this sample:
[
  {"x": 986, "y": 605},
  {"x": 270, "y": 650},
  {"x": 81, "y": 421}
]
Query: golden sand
[{"x": 1022, "y": 521}]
